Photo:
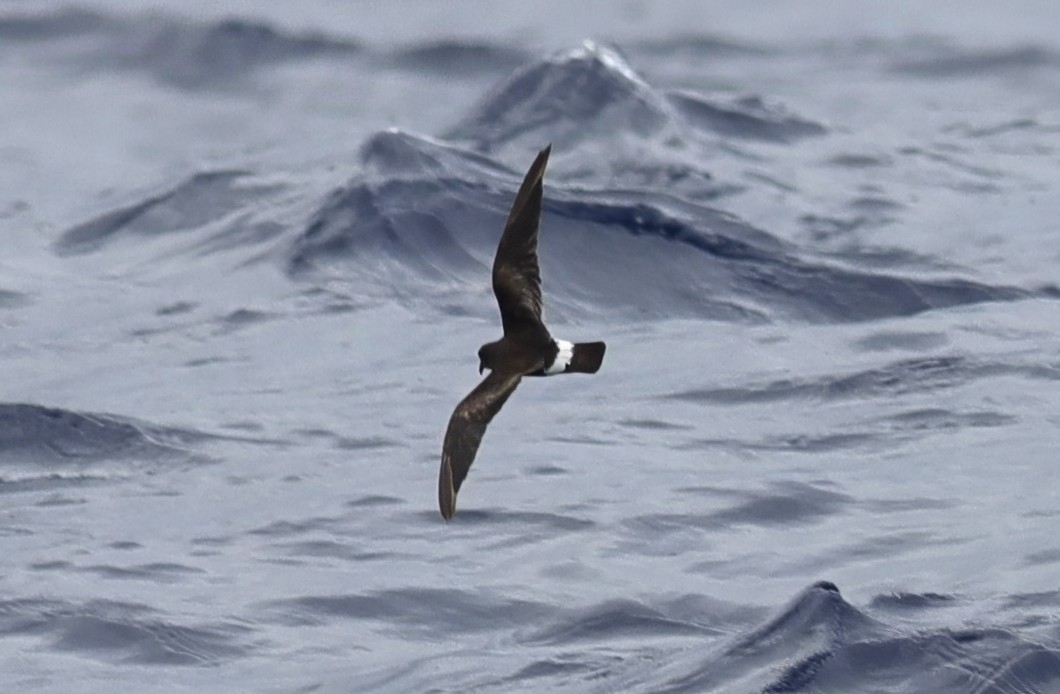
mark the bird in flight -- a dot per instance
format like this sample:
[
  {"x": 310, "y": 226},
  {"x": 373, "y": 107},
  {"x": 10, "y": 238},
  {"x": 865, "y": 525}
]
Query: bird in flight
[{"x": 526, "y": 349}]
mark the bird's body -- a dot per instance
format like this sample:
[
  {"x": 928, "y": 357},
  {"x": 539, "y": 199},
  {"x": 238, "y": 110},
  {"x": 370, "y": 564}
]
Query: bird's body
[{"x": 526, "y": 349}]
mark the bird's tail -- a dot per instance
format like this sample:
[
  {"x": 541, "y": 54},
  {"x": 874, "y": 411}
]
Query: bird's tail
[{"x": 587, "y": 357}]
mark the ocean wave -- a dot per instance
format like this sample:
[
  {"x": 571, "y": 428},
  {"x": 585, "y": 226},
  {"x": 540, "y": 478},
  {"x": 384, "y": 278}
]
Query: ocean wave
[
  {"x": 699, "y": 46},
  {"x": 567, "y": 99},
  {"x": 43, "y": 436},
  {"x": 620, "y": 128},
  {"x": 900, "y": 377},
  {"x": 428, "y": 214},
  {"x": 49, "y": 26},
  {"x": 877, "y": 434},
  {"x": 903, "y": 601},
  {"x": 749, "y": 117},
  {"x": 820, "y": 642},
  {"x": 219, "y": 53},
  {"x": 210, "y": 206},
  {"x": 176, "y": 51},
  {"x": 122, "y": 632},
  {"x": 457, "y": 58},
  {"x": 428, "y": 609},
  {"x": 597, "y": 111},
  {"x": 946, "y": 660},
  {"x": 13, "y": 299},
  {"x": 943, "y": 60},
  {"x": 785, "y": 503},
  {"x": 613, "y": 620}
]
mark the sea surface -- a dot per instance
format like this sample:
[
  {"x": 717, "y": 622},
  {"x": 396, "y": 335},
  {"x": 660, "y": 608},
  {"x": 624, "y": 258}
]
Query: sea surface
[{"x": 244, "y": 273}]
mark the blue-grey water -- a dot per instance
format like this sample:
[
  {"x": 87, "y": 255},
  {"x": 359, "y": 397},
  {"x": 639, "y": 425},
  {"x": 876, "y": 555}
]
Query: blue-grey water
[{"x": 245, "y": 272}]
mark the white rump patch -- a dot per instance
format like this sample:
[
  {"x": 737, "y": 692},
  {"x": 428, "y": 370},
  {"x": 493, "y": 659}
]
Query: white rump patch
[{"x": 566, "y": 354}]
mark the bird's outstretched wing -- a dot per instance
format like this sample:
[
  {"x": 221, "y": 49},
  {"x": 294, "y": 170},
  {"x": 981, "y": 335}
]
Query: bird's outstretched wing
[
  {"x": 466, "y": 427},
  {"x": 516, "y": 275}
]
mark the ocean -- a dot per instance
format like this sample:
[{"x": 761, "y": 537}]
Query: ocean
[{"x": 246, "y": 271}]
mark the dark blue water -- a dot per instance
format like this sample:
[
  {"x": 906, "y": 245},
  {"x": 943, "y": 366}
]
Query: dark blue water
[{"x": 245, "y": 275}]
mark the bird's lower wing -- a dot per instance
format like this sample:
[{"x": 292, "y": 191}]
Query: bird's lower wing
[{"x": 464, "y": 434}]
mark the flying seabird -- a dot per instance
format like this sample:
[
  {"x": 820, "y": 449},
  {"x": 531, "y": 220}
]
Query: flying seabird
[{"x": 527, "y": 348}]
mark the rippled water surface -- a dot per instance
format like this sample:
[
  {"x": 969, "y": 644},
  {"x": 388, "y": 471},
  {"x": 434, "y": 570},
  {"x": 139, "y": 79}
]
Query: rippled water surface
[{"x": 246, "y": 272}]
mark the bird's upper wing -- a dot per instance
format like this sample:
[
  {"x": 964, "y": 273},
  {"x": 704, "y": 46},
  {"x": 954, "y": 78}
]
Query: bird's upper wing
[
  {"x": 516, "y": 275},
  {"x": 466, "y": 427}
]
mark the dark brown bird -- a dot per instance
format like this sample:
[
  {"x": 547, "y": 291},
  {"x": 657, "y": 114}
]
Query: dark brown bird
[{"x": 527, "y": 348}]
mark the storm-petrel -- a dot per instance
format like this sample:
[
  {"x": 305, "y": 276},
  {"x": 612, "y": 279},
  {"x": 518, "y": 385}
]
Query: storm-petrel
[{"x": 527, "y": 348}]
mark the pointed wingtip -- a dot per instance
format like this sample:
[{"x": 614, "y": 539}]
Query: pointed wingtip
[
  {"x": 531, "y": 182},
  {"x": 447, "y": 508},
  {"x": 540, "y": 162},
  {"x": 542, "y": 159}
]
